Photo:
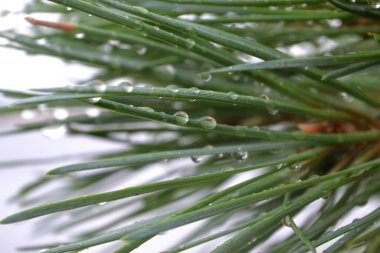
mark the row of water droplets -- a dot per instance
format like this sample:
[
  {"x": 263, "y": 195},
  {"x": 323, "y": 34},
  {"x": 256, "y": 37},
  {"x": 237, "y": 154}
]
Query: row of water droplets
[
  {"x": 181, "y": 117},
  {"x": 101, "y": 87},
  {"x": 239, "y": 155}
]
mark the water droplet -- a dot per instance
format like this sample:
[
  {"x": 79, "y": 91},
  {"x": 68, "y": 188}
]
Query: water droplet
[
  {"x": 169, "y": 69},
  {"x": 173, "y": 88},
  {"x": 142, "y": 50},
  {"x": 206, "y": 77},
  {"x": 189, "y": 43},
  {"x": 207, "y": 122},
  {"x": 233, "y": 95},
  {"x": 281, "y": 166},
  {"x": 141, "y": 9},
  {"x": 126, "y": 86},
  {"x": 229, "y": 169},
  {"x": 94, "y": 100},
  {"x": 102, "y": 203},
  {"x": 194, "y": 90},
  {"x": 296, "y": 167},
  {"x": 270, "y": 105},
  {"x": 54, "y": 132},
  {"x": 240, "y": 155},
  {"x": 28, "y": 114},
  {"x": 60, "y": 114},
  {"x": 286, "y": 221},
  {"x": 181, "y": 117},
  {"x": 93, "y": 112},
  {"x": 138, "y": 24},
  {"x": 69, "y": 8},
  {"x": 98, "y": 85},
  {"x": 196, "y": 159},
  {"x": 147, "y": 109},
  {"x": 346, "y": 97},
  {"x": 79, "y": 35}
]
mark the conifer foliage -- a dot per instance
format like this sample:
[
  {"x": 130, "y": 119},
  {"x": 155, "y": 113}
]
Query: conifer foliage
[{"x": 263, "y": 115}]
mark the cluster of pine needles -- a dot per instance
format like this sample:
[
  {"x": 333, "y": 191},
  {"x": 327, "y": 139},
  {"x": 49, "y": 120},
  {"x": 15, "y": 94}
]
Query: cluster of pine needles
[{"x": 257, "y": 112}]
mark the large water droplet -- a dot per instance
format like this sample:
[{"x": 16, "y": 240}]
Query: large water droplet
[
  {"x": 181, "y": 117},
  {"x": 126, "y": 86},
  {"x": 98, "y": 85},
  {"x": 173, "y": 88},
  {"x": 189, "y": 43},
  {"x": 207, "y": 122},
  {"x": 54, "y": 132}
]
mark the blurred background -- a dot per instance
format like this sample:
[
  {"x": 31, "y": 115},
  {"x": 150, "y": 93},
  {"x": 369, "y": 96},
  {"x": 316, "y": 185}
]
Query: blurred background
[{"x": 21, "y": 71}]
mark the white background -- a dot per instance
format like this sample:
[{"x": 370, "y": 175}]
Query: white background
[{"x": 21, "y": 71}]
